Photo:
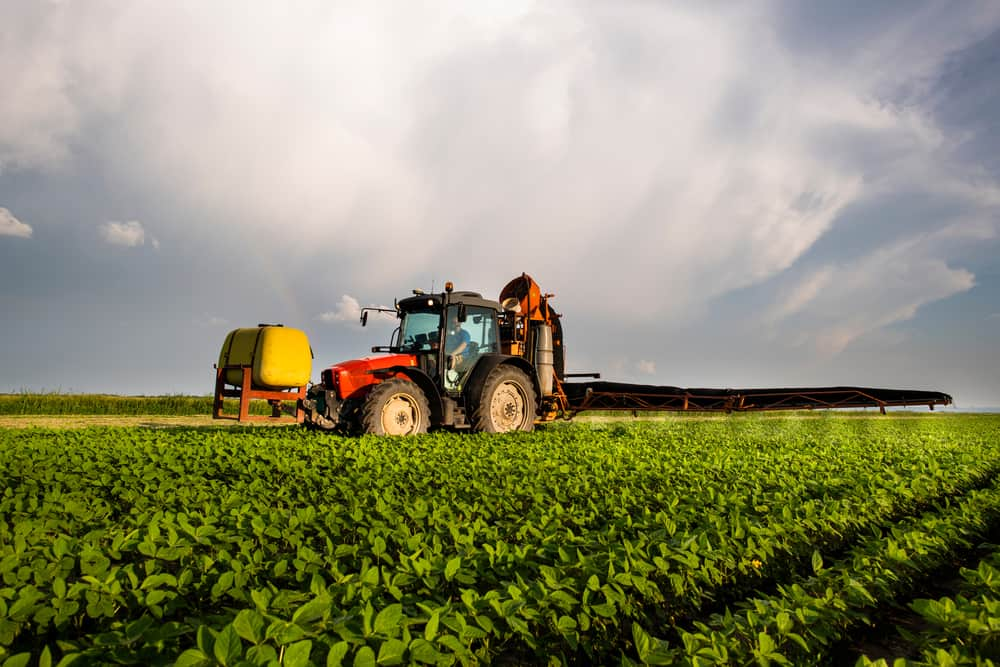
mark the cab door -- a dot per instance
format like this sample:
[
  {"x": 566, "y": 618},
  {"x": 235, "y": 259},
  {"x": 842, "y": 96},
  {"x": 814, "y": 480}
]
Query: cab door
[{"x": 479, "y": 332}]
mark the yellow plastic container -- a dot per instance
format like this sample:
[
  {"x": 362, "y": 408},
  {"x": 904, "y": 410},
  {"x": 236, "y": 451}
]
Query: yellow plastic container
[{"x": 279, "y": 356}]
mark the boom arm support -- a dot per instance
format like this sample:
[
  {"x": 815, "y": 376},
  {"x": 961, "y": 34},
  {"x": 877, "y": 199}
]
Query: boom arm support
[{"x": 583, "y": 396}]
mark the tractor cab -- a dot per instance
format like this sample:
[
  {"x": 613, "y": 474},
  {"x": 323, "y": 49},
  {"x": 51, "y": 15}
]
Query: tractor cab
[{"x": 447, "y": 334}]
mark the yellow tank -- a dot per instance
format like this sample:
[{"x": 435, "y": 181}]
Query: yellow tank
[{"x": 279, "y": 356}]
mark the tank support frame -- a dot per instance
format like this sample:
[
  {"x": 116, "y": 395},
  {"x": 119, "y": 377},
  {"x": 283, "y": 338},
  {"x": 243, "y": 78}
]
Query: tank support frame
[{"x": 247, "y": 392}]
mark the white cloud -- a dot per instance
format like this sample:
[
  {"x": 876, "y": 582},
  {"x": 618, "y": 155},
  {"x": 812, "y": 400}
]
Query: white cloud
[
  {"x": 129, "y": 234},
  {"x": 646, "y": 367},
  {"x": 838, "y": 303},
  {"x": 579, "y": 139},
  {"x": 347, "y": 310},
  {"x": 11, "y": 226}
]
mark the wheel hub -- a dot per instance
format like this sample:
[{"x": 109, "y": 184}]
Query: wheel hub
[
  {"x": 400, "y": 415},
  {"x": 507, "y": 407}
]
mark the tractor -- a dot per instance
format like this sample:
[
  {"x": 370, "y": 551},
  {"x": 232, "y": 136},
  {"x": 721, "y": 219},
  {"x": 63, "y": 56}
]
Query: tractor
[{"x": 456, "y": 360}]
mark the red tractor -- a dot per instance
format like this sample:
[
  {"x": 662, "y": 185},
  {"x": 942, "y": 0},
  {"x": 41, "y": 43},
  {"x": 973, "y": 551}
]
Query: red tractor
[{"x": 456, "y": 360}]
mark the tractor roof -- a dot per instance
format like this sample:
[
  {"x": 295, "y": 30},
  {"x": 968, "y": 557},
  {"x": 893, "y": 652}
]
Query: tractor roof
[{"x": 434, "y": 301}]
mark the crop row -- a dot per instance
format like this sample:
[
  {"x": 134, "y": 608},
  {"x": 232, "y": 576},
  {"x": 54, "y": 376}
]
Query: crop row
[
  {"x": 264, "y": 544},
  {"x": 807, "y": 616},
  {"x": 963, "y": 629}
]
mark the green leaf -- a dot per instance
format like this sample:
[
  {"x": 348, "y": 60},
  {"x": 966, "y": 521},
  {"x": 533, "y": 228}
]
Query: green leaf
[
  {"x": 817, "y": 561},
  {"x": 69, "y": 659},
  {"x": 566, "y": 624},
  {"x": 784, "y": 622},
  {"x": 261, "y": 598},
  {"x": 206, "y": 640},
  {"x": 451, "y": 569},
  {"x": 224, "y": 583},
  {"x": 18, "y": 660},
  {"x": 942, "y": 656},
  {"x": 387, "y": 621},
  {"x": 431, "y": 629},
  {"x": 312, "y": 610},
  {"x": 157, "y": 580},
  {"x": 263, "y": 654},
  {"x": 154, "y": 598},
  {"x": 454, "y": 643},
  {"x": 379, "y": 547},
  {"x": 45, "y": 659},
  {"x": 391, "y": 652},
  {"x": 250, "y": 625},
  {"x": 337, "y": 654},
  {"x": 191, "y": 658},
  {"x": 297, "y": 654},
  {"x": 423, "y": 651},
  {"x": 765, "y": 644},
  {"x": 228, "y": 646},
  {"x": 365, "y": 657},
  {"x": 370, "y": 577},
  {"x": 284, "y": 633},
  {"x": 643, "y": 642}
]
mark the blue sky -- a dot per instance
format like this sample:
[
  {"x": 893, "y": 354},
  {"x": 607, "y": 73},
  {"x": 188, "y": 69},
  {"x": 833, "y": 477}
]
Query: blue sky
[{"x": 719, "y": 194}]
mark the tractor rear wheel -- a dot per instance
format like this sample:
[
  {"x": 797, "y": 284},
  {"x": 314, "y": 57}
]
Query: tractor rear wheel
[
  {"x": 395, "y": 407},
  {"x": 507, "y": 402}
]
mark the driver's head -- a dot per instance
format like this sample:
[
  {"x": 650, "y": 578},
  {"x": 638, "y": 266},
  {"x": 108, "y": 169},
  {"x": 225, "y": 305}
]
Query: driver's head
[{"x": 453, "y": 321}]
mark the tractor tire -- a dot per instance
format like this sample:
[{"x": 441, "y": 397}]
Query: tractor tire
[
  {"x": 395, "y": 407},
  {"x": 507, "y": 402}
]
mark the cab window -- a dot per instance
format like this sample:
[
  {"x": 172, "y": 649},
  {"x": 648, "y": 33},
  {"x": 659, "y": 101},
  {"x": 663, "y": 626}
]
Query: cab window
[{"x": 419, "y": 331}]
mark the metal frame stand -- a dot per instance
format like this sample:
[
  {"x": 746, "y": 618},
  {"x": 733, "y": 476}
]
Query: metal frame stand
[{"x": 246, "y": 392}]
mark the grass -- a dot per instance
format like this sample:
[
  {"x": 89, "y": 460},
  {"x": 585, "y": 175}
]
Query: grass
[{"x": 108, "y": 405}]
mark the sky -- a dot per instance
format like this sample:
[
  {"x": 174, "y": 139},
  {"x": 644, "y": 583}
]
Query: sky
[{"x": 753, "y": 194}]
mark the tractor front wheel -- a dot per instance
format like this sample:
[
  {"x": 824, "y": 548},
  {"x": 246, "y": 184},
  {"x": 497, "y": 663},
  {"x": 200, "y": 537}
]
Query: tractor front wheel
[
  {"x": 507, "y": 402},
  {"x": 395, "y": 407}
]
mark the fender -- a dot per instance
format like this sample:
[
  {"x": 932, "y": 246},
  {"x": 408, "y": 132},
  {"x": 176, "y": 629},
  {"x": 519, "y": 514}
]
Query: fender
[
  {"x": 426, "y": 384},
  {"x": 482, "y": 369}
]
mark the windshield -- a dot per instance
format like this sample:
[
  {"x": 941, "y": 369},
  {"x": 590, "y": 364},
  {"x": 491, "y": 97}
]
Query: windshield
[{"x": 419, "y": 330}]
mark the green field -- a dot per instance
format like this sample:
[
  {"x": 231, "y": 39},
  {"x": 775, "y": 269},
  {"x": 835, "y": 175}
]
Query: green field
[{"x": 741, "y": 540}]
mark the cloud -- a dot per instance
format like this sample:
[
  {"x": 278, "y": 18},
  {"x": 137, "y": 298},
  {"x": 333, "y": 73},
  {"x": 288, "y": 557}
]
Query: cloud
[
  {"x": 833, "y": 305},
  {"x": 129, "y": 234},
  {"x": 646, "y": 367},
  {"x": 347, "y": 310},
  {"x": 586, "y": 131},
  {"x": 11, "y": 226}
]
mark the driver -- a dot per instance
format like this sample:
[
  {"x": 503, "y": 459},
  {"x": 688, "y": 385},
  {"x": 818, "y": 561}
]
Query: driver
[{"x": 456, "y": 340}]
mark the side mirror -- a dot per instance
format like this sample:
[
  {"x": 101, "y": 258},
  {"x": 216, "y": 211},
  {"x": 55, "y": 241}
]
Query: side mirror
[
  {"x": 462, "y": 313},
  {"x": 364, "y": 318}
]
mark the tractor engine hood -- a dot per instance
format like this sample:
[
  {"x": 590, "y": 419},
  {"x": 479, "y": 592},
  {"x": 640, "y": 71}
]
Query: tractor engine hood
[{"x": 352, "y": 378}]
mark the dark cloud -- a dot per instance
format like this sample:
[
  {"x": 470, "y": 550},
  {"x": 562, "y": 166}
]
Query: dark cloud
[{"x": 748, "y": 178}]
